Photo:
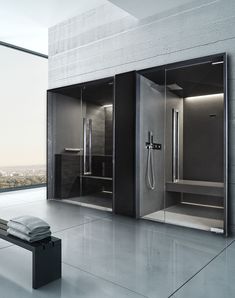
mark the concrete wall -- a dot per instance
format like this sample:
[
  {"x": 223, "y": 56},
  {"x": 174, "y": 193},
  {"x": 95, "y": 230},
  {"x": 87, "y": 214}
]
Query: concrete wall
[
  {"x": 106, "y": 41},
  {"x": 150, "y": 113}
]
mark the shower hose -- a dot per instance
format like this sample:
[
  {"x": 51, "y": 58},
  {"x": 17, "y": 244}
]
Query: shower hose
[{"x": 150, "y": 169}]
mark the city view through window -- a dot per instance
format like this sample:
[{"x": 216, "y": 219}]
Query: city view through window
[
  {"x": 20, "y": 176},
  {"x": 22, "y": 119}
]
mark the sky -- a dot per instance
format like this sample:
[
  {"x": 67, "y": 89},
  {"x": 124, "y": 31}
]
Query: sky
[
  {"x": 25, "y": 23},
  {"x": 24, "y": 81}
]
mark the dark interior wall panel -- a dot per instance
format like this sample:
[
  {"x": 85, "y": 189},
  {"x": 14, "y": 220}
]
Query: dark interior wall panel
[
  {"x": 203, "y": 145},
  {"x": 67, "y": 179},
  {"x": 109, "y": 131},
  {"x": 124, "y": 117},
  {"x": 97, "y": 114},
  {"x": 203, "y": 135},
  {"x": 68, "y": 123}
]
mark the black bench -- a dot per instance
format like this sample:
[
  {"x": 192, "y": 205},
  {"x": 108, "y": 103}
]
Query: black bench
[{"x": 46, "y": 256}]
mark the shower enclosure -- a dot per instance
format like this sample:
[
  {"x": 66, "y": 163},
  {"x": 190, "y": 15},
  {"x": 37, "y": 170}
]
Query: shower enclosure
[
  {"x": 81, "y": 144},
  {"x": 181, "y": 141},
  {"x": 91, "y": 144}
]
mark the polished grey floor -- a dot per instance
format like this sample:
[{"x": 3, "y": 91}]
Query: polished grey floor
[
  {"x": 115, "y": 256},
  {"x": 99, "y": 200}
]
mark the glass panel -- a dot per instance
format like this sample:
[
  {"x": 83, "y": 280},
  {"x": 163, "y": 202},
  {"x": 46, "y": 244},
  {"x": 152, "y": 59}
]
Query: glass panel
[
  {"x": 195, "y": 146},
  {"x": 65, "y": 150},
  {"x": 22, "y": 119},
  {"x": 150, "y": 145},
  {"x": 80, "y": 146},
  {"x": 97, "y": 177}
]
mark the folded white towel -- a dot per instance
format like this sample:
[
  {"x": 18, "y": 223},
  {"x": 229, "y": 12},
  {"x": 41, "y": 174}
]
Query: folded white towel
[
  {"x": 29, "y": 225},
  {"x": 25, "y": 237}
]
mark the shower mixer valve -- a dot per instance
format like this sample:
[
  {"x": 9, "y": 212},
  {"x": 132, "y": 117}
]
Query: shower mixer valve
[{"x": 150, "y": 144}]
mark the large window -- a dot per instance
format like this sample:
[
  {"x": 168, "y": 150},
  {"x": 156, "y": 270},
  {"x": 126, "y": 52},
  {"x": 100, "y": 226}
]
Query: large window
[{"x": 23, "y": 81}]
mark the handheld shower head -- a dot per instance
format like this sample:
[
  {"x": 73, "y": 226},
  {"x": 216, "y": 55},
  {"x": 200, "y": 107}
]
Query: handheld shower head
[{"x": 150, "y": 145}]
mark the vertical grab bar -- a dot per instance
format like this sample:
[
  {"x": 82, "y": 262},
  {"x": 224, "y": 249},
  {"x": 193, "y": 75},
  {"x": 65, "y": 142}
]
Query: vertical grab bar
[
  {"x": 90, "y": 143},
  {"x": 87, "y": 171},
  {"x": 175, "y": 145},
  {"x": 84, "y": 146}
]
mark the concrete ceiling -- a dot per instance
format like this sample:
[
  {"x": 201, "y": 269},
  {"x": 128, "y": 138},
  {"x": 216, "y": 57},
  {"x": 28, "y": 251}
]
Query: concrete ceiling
[{"x": 25, "y": 23}]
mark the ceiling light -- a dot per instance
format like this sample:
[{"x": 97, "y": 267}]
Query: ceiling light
[
  {"x": 205, "y": 96},
  {"x": 218, "y": 62},
  {"x": 107, "y": 106}
]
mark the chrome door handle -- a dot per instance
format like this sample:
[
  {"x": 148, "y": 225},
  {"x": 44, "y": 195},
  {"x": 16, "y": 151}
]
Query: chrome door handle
[
  {"x": 175, "y": 145},
  {"x": 87, "y": 171},
  {"x": 90, "y": 144}
]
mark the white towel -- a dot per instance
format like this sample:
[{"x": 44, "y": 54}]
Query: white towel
[
  {"x": 25, "y": 237},
  {"x": 29, "y": 225}
]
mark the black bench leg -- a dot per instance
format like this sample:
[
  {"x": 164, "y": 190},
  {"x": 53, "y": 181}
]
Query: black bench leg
[{"x": 46, "y": 264}]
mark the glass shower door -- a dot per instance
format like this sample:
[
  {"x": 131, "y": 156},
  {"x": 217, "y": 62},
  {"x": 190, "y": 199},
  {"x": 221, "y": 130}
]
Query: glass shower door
[
  {"x": 195, "y": 146},
  {"x": 65, "y": 147},
  {"x": 97, "y": 167}
]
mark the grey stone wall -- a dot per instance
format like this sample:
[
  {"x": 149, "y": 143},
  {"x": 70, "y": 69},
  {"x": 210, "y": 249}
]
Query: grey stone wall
[
  {"x": 107, "y": 41},
  {"x": 150, "y": 121}
]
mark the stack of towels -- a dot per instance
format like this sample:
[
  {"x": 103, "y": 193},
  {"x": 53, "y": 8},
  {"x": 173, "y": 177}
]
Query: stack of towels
[{"x": 28, "y": 228}]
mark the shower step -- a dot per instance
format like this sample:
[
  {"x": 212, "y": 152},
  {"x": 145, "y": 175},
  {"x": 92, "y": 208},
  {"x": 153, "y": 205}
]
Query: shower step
[{"x": 196, "y": 187}]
